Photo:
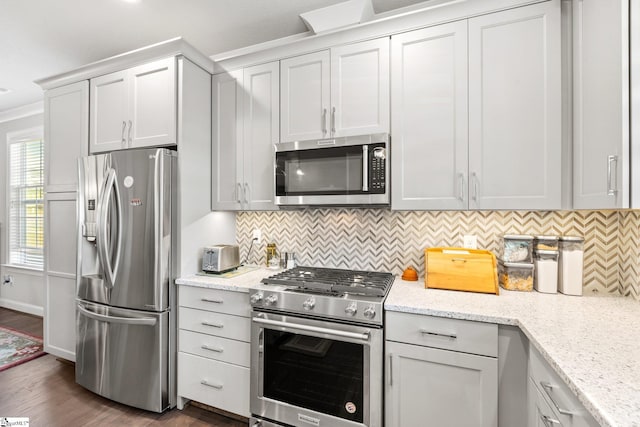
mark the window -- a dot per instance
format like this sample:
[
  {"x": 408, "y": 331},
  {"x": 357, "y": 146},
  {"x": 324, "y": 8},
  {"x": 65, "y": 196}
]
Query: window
[{"x": 25, "y": 198}]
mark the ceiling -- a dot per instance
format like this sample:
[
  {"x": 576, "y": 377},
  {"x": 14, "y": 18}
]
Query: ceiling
[{"x": 40, "y": 38}]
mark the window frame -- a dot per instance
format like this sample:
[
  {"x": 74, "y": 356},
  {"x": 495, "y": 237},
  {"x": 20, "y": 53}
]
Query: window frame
[{"x": 17, "y": 137}]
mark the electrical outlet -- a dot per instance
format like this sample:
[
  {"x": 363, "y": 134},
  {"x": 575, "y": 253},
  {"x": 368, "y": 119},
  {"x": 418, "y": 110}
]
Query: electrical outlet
[
  {"x": 257, "y": 235},
  {"x": 470, "y": 241}
]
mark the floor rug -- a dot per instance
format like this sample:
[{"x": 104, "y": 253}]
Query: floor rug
[{"x": 17, "y": 347}]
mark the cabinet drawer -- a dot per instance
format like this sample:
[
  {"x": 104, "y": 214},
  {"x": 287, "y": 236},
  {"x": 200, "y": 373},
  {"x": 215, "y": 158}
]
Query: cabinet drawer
[
  {"x": 540, "y": 413},
  {"x": 566, "y": 404},
  {"x": 218, "y": 324},
  {"x": 214, "y": 383},
  {"x": 216, "y": 300},
  {"x": 212, "y": 347},
  {"x": 438, "y": 332}
]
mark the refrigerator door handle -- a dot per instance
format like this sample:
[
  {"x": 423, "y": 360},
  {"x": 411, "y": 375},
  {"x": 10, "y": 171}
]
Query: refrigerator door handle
[
  {"x": 158, "y": 197},
  {"x": 142, "y": 321},
  {"x": 103, "y": 249}
]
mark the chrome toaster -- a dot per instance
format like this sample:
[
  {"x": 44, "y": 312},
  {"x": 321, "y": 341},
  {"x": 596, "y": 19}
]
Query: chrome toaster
[{"x": 220, "y": 258}]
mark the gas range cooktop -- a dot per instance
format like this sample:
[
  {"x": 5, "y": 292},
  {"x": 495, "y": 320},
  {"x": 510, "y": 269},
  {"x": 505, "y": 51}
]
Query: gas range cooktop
[
  {"x": 345, "y": 295},
  {"x": 333, "y": 281}
]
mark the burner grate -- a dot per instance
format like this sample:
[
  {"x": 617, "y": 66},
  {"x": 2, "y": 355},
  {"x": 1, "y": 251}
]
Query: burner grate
[{"x": 334, "y": 281}]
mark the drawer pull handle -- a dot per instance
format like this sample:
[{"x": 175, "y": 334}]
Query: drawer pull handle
[
  {"x": 548, "y": 421},
  {"x": 216, "y": 301},
  {"x": 458, "y": 260},
  {"x": 214, "y": 325},
  {"x": 436, "y": 334},
  {"x": 547, "y": 387},
  {"x": 216, "y": 349},
  {"x": 213, "y": 385}
]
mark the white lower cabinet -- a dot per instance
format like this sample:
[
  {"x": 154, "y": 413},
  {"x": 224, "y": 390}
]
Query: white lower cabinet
[
  {"x": 214, "y": 383},
  {"x": 551, "y": 402},
  {"x": 213, "y": 348},
  {"x": 433, "y": 378}
]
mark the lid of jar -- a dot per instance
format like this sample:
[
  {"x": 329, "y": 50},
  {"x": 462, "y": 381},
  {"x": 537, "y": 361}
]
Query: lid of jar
[
  {"x": 547, "y": 237},
  {"x": 517, "y": 237},
  {"x": 526, "y": 265},
  {"x": 572, "y": 238},
  {"x": 545, "y": 254}
]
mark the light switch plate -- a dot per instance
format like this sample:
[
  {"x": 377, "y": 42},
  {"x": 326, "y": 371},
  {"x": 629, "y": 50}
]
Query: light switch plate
[{"x": 470, "y": 241}]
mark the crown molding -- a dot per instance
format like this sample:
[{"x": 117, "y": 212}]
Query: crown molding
[
  {"x": 22, "y": 112},
  {"x": 173, "y": 47}
]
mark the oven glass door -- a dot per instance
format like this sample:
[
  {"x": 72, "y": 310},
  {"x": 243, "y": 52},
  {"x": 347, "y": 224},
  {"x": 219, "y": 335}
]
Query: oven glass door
[
  {"x": 321, "y": 171},
  {"x": 309, "y": 376}
]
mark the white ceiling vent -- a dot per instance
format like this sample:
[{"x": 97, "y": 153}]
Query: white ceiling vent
[{"x": 338, "y": 15}]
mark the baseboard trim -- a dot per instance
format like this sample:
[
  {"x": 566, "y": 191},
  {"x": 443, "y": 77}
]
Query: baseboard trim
[{"x": 22, "y": 307}]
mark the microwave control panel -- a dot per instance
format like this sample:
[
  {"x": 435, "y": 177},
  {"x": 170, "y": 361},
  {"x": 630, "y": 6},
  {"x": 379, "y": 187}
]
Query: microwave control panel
[{"x": 377, "y": 171}]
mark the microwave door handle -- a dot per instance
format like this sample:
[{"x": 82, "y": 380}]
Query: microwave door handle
[{"x": 365, "y": 168}]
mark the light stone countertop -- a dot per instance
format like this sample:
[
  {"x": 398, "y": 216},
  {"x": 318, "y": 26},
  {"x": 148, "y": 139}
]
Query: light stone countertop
[
  {"x": 593, "y": 343},
  {"x": 239, "y": 283}
]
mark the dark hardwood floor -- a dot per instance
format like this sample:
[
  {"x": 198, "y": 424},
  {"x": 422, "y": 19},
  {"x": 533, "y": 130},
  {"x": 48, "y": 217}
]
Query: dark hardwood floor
[
  {"x": 44, "y": 390},
  {"x": 21, "y": 322}
]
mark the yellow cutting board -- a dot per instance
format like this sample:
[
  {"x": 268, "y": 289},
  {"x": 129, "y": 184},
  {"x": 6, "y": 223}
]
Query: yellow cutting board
[{"x": 461, "y": 269}]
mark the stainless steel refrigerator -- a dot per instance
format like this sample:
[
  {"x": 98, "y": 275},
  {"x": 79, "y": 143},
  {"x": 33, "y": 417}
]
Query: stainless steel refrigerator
[{"x": 125, "y": 312}]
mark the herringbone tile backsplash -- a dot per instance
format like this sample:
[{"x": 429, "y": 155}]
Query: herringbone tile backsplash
[{"x": 377, "y": 239}]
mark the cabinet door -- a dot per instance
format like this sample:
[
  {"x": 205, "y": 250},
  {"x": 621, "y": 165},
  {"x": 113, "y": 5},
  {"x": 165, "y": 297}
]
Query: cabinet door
[
  {"x": 515, "y": 132},
  {"x": 227, "y": 141},
  {"x": 304, "y": 96},
  {"x": 429, "y": 117},
  {"x": 153, "y": 104},
  {"x": 428, "y": 386},
  {"x": 66, "y": 123},
  {"x": 261, "y": 133},
  {"x": 108, "y": 120},
  {"x": 360, "y": 88},
  {"x": 60, "y": 275},
  {"x": 600, "y": 104}
]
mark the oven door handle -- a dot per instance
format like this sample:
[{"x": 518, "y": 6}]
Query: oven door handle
[{"x": 364, "y": 336}]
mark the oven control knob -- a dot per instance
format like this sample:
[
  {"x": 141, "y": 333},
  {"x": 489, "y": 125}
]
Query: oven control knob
[
  {"x": 309, "y": 304},
  {"x": 351, "y": 309},
  {"x": 369, "y": 312},
  {"x": 256, "y": 298},
  {"x": 271, "y": 299}
]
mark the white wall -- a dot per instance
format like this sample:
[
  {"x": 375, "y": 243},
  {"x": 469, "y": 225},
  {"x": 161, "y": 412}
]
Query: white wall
[{"x": 27, "y": 291}]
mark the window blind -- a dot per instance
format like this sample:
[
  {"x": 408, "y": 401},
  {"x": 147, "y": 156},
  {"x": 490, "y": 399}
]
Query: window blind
[{"x": 25, "y": 192}]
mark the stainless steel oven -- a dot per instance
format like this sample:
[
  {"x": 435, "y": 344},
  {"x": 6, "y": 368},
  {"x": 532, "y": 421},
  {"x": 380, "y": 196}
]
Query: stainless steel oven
[
  {"x": 317, "y": 348},
  {"x": 338, "y": 171},
  {"x": 308, "y": 371}
]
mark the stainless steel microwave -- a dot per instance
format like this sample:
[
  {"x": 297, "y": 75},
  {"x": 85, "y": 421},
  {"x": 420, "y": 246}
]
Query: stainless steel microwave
[{"x": 333, "y": 172}]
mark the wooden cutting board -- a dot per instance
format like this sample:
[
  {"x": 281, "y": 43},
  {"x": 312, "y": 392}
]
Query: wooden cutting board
[{"x": 461, "y": 269}]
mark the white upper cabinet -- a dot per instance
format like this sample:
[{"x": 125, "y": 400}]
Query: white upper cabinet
[
  {"x": 66, "y": 135},
  {"x": 338, "y": 92},
  {"x": 227, "y": 138},
  {"x": 261, "y": 132},
  {"x": 429, "y": 118},
  {"x": 304, "y": 97},
  {"x": 600, "y": 104},
  {"x": 245, "y": 129},
  {"x": 515, "y": 132},
  {"x": 360, "y": 88},
  {"x": 134, "y": 108}
]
